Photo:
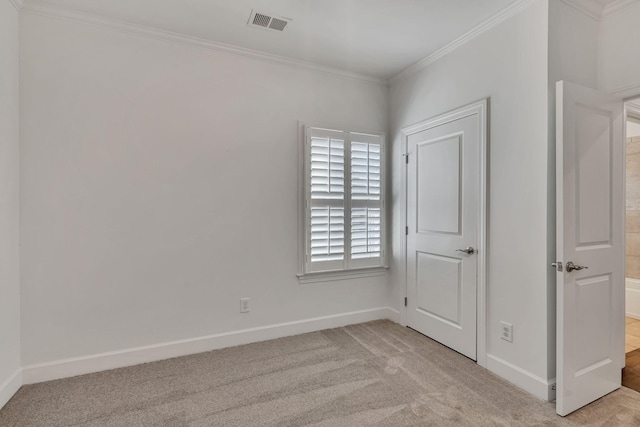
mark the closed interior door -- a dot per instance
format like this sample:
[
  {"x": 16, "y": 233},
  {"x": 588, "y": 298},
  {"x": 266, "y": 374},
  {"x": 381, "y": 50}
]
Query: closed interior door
[{"x": 443, "y": 224}]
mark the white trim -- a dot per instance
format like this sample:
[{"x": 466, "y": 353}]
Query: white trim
[
  {"x": 628, "y": 91},
  {"x": 533, "y": 384},
  {"x": 9, "y": 387},
  {"x": 618, "y": 6},
  {"x": 18, "y": 5},
  {"x": 481, "y": 109},
  {"x": 632, "y": 298},
  {"x": 405, "y": 222},
  {"x": 329, "y": 276},
  {"x": 596, "y": 10},
  {"x": 501, "y": 16},
  {"x": 133, "y": 356},
  {"x": 58, "y": 12},
  {"x": 591, "y": 8},
  {"x": 632, "y": 109}
]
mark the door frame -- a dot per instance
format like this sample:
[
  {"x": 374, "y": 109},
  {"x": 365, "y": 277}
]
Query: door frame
[
  {"x": 628, "y": 94},
  {"x": 479, "y": 108}
]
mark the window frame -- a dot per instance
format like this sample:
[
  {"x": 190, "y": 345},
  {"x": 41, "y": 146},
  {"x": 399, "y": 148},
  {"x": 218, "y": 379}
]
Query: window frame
[{"x": 347, "y": 267}]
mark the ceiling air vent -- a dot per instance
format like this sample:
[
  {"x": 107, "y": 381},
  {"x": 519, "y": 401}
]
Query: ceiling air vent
[{"x": 267, "y": 22}]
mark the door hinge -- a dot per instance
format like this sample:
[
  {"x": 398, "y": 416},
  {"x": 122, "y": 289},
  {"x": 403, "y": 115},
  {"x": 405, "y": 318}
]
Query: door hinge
[
  {"x": 406, "y": 158},
  {"x": 405, "y": 301},
  {"x": 406, "y": 230}
]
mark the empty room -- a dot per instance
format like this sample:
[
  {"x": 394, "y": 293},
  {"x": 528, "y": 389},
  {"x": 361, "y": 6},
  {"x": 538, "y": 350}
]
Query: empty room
[{"x": 327, "y": 213}]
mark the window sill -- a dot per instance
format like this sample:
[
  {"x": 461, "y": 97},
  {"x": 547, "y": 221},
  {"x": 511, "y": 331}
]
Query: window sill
[{"x": 329, "y": 276}]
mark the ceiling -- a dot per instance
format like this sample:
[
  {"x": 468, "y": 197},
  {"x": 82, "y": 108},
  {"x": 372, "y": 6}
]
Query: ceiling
[{"x": 377, "y": 38}]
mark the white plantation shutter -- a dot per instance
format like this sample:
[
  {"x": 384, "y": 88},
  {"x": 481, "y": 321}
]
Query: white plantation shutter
[
  {"x": 327, "y": 168},
  {"x": 366, "y": 199},
  {"x": 326, "y": 200},
  {"x": 365, "y": 233},
  {"x": 327, "y": 234},
  {"x": 344, "y": 215},
  {"x": 365, "y": 171}
]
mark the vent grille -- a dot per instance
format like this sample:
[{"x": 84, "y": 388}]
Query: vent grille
[
  {"x": 261, "y": 20},
  {"x": 268, "y": 22},
  {"x": 278, "y": 24}
]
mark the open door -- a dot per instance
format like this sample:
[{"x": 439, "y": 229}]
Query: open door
[{"x": 590, "y": 245}]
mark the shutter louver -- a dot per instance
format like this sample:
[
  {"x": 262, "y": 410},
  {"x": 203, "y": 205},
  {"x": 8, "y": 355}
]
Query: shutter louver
[
  {"x": 327, "y": 168},
  {"x": 365, "y": 233},
  {"x": 366, "y": 209},
  {"x": 327, "y": 197},
  {"x": 365, "y": 171},
  {"x": 327, "y": 234}
]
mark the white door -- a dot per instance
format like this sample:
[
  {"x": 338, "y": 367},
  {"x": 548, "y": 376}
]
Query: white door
[
  {"x": 590, "y": 234},
  {"x": 444, "y": 199}
]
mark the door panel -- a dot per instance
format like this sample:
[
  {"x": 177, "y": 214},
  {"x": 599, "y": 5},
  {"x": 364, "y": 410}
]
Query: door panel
[
  {"x": 438, "y": 181},
  {"x": 443, "y": 205},
  {"x": 592, "y": 339},
  {"x": 590, "y": 233},
  {"x": 593, "y": 176},
  {"x": 439, "y": 287}
]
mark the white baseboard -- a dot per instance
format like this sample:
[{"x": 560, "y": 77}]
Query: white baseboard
[
  {"x": 118, "y": 359},
  {"x": 539, "y": 387},
  {"x": 632, "y": 298},
  {"x": 9, "y": 387}
]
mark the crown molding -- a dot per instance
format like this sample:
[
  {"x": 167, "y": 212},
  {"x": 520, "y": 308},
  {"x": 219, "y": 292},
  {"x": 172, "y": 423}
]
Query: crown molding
[
  {"x": 618, "y": 6},
  {"x": 591, "y": 8},
  {"x": 633, "y": 108},
  {"x": 504, "y": 14},
  {"x": 628, "y": 92},
  {"x": 596, "y": 10},
  {"x": 35, "y": 7},
  {"x": 17, "y": 4}
]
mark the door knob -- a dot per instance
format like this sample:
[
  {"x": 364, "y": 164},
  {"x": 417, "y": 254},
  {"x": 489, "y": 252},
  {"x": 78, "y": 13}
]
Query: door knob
[
  {"x": 570, "y": 266},
  {"x": 468, "y": 251}
]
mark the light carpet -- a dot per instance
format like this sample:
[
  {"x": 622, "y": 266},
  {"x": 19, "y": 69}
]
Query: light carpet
[{"x": 376, "y": 373}]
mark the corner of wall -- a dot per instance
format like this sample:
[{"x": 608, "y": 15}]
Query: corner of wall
[
  {"x": 10, "y": 387},
  {"x": 10, "y": 351}
]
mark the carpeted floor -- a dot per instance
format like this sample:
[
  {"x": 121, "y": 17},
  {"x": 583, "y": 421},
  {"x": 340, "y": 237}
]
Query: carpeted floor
[{"x": 376, "y": 373}]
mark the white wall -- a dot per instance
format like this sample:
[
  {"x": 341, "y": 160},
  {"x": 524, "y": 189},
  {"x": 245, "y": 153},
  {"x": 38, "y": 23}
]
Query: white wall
[
  {"x": 619, "y": 47},
  {"x": 573, "y": 56},
  {"x": 159, "y": 186},
  {"x": 573, "y": 46},
  {"x": 633, "y": 129},
  {"x": 9, "y": 271},
  {"x": 508, "y": 64}
]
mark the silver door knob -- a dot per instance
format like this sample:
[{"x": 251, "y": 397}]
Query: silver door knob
[
  {"x": 468, "y": 251},
  {"x": 570, "y": 266}
]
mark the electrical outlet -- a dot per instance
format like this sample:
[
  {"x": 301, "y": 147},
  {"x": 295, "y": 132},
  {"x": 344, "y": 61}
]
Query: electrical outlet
[
  {"x": 506, "y": 331},
  {"x": 244, "y": 305}
]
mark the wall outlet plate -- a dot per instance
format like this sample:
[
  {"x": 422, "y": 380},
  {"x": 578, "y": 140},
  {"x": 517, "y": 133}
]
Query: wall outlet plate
[
  {"x": 244, "y": 305},
  {"x": 506, "y": 331}
]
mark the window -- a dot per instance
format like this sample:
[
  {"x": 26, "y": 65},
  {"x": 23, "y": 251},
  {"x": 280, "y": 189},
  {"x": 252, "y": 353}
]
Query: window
[{"x": 344, "y": 200}]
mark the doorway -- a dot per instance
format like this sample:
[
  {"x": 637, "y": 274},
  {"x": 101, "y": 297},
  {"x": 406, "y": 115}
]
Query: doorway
[
  {"x": 446, "y": 226},
  {"x": 631, "y": 372}
]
